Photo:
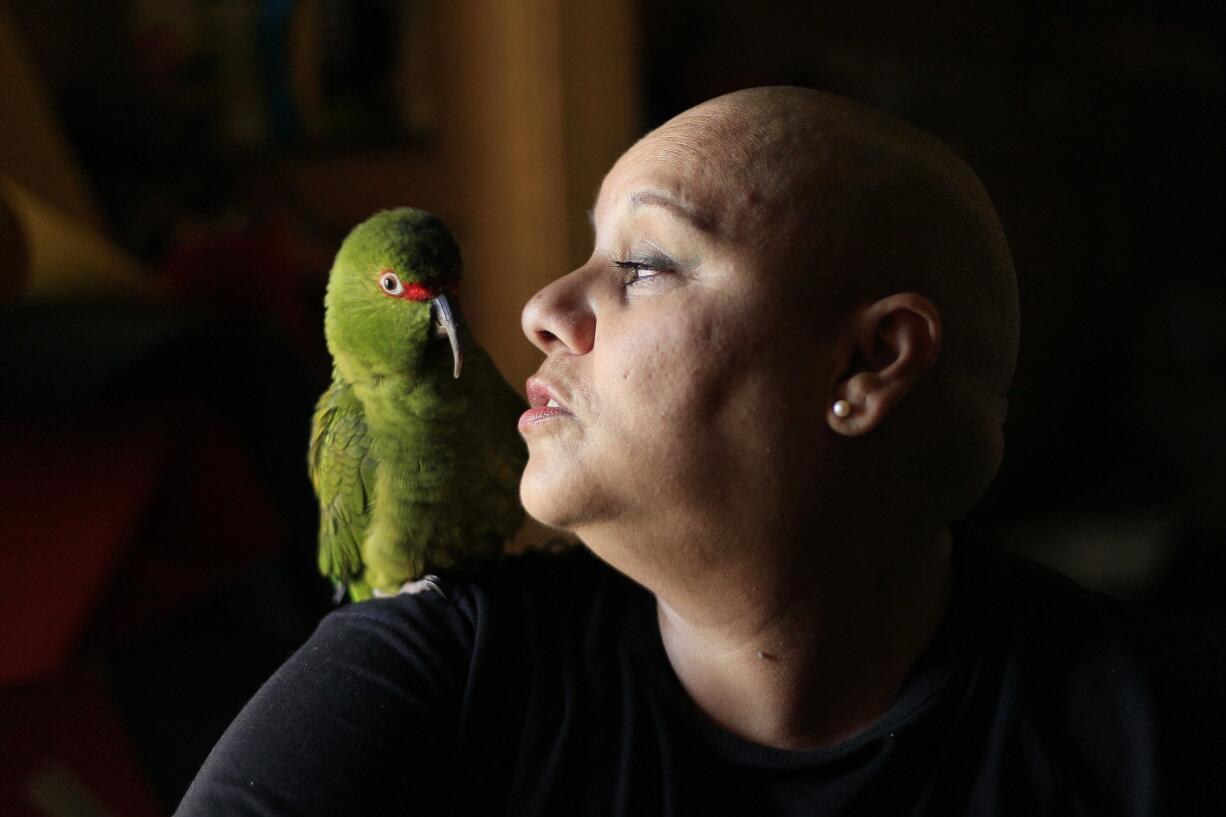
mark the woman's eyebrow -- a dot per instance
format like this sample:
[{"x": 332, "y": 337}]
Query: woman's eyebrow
[{"x": 660, "y": 198}]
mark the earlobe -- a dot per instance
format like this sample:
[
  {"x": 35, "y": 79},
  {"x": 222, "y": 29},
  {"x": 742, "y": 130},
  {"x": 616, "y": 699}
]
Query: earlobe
[
  {"x": 843, "y": 419},
  {"x": 897, "y": 340},
  {"x": 859, "y": 406}
]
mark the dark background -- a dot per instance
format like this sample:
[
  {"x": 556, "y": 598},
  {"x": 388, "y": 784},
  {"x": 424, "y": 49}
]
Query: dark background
[{"x": 1096, "y": 127}]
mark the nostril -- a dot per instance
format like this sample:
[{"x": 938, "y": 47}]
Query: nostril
[{"x": 560, "y": 316}]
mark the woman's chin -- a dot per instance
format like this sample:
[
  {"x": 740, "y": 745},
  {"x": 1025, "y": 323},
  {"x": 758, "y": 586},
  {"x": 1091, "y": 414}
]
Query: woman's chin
[
  {"x": 547, "y": 504},
  {"x": 556, "y": 500}
]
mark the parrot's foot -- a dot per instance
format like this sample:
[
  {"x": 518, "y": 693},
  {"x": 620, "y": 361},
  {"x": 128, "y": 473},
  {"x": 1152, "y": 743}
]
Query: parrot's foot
[{"x": 427, "y": 582}]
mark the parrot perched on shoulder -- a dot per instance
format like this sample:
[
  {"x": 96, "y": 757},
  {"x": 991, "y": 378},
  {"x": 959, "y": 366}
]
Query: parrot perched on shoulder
[{"x": 416, "y": 463}]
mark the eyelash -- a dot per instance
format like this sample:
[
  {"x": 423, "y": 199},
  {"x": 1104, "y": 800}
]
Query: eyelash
[{"x": 654, "y": 265}]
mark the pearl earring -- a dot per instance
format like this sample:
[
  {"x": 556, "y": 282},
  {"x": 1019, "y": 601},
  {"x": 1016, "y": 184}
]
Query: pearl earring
[{"x": 841, "y": 408}]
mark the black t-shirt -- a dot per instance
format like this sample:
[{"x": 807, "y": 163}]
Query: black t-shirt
[{"x": 540, "y": 687}]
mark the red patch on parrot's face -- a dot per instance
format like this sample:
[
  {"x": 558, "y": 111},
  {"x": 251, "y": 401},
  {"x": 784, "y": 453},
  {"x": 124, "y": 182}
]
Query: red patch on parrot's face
[
  {"x": 391, "y": 286},
  {"x": 419, "y": 292}
]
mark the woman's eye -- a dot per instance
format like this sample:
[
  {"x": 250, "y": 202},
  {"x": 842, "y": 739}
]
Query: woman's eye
[
  {"x": 390, "y": 283},
  {"x": 638, "y": 272}
]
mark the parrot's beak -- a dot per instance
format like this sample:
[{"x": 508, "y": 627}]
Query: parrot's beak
[{"x": 445, "y": 324}]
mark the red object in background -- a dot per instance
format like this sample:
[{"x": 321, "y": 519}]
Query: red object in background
[
  {"x": 63, "y": 751},
  {"x": 73, "y": 492},
  {"x": 247, "y": 269},
  {"x": 212, "y": 520},
  {"x": 114, "y": 519}
]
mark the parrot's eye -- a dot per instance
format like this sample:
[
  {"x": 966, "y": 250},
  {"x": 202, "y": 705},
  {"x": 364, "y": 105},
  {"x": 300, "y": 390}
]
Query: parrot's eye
[{"x": 390, "y": 283}]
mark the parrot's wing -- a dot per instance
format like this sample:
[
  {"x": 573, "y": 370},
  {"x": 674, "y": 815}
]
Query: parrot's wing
[{"x": 342, "y": 470}]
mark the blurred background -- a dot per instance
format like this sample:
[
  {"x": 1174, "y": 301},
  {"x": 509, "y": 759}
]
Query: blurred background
[{"x": 175, "y": 176}]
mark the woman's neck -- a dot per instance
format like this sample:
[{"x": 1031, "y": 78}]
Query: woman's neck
[{"x": 807, "y": 655}]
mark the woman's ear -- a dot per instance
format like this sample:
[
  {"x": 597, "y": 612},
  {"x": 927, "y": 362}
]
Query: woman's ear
[{"x": 895, "y": 342}]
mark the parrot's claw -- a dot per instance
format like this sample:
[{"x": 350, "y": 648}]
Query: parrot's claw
[
  {"x": 427, "y": 582},
  {"x": 338, "y": 592}
]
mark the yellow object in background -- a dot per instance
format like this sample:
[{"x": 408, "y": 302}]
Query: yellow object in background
[
  {"x": 47, "y": 255},
  {"x": 50, "y": 245},
  {"x": 33, "y": 148}
]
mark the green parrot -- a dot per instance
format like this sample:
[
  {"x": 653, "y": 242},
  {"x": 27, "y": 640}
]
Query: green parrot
[{"x": 416, "y": 467}]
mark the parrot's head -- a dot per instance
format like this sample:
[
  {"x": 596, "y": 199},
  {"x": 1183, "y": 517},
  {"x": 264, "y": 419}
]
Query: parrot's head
[{"x": 390, "y": 304}]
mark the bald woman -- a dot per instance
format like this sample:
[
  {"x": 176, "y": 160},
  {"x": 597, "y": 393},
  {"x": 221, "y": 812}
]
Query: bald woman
[{"x": 765, "y": 402}]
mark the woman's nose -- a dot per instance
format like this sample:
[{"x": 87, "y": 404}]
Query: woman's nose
[{"x": 560, "y": 316}]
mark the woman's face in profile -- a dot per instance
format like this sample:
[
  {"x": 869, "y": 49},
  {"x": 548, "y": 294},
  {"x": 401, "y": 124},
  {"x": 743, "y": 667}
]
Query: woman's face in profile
[{"x": 672, "y": 357}]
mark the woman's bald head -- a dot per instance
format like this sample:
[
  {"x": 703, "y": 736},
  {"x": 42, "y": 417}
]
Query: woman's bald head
[
  {"x": 871, "y": 206},
  {"x": 867, "y": 206}
]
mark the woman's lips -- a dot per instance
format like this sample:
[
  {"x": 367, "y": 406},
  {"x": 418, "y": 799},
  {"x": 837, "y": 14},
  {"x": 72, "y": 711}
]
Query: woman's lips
[
  {"x": 539, "y": 414},
  {"x": 542, "y": 397}
]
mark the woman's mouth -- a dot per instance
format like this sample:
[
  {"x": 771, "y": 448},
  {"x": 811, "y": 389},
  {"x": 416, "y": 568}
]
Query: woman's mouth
[
  {"x": 539, "y": 415},
  {"x": 543, "y": 402}
]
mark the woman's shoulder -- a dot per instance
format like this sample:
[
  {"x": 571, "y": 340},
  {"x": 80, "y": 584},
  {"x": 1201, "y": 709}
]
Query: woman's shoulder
[
  {"x": 523, "y": 591},
  {"x": 387, "y": 684}
]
